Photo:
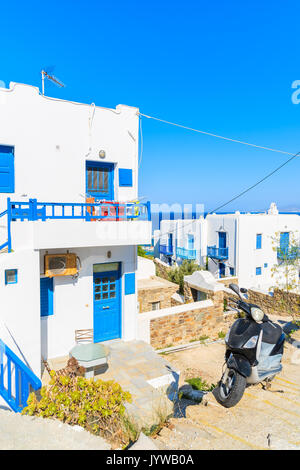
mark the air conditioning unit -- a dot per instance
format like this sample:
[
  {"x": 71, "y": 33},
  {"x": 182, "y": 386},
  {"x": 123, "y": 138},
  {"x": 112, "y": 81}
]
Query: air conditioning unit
[{"x": 64, "y": 264}]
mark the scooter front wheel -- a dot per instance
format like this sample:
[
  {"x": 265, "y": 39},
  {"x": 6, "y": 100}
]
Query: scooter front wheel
[{"x": 230, "y": 388}]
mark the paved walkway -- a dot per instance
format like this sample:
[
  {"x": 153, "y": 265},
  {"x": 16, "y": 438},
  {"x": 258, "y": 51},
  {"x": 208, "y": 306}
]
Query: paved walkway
[
  {"x": 150, "y": 379},
  {"x": 25, "y": 433}
]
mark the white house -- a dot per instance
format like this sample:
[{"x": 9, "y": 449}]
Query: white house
[
  {"x": 236, "y": 244},
  {"x": 181, "y": 239},
  {"x": 243, "y": 245},
  {"x": 69, "y": 228}
]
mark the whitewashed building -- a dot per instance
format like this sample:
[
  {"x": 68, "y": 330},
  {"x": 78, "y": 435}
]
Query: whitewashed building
[
  {"x": 69, "y": 228},
  {"x": 181, "y": 239},
  {"x": 236, "y": 244}
]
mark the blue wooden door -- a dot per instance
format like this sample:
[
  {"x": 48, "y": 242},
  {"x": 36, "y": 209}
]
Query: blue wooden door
[
  {"x": 221, "y": 269},
  {"x": 107, "y": 306},
  {"x": 222, "y": 239},
  {"x": 170, "y": 243},
  {"x": 100, "y": 180},
  {"x": 7, "y": 176}
]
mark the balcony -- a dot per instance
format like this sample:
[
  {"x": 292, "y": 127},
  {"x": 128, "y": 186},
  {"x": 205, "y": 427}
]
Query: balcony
[
  {"x": 64, "y": 225},
  {"x": 186, "y": 253},
  {"x": 288, "y": 253},
  {"x": 165, "y": 250},
  {"x": 217, "y": 253}
]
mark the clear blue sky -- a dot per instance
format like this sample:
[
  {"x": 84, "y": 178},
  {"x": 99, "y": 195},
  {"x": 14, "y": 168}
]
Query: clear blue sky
[{"x": 221, "y": 66}]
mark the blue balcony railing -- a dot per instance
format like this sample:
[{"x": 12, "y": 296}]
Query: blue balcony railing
[
  {"x": 186, "y": 253},
  {"x": 89, "y": 211},
  {"x": 16, "y": 379},
  {"x": 217, "y": 253},
  {"x": 288, "y": 253},
  {"x": 166, "y": 250}
]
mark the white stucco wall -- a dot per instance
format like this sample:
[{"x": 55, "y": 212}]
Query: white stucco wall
[{"x": 145, "y": 268}]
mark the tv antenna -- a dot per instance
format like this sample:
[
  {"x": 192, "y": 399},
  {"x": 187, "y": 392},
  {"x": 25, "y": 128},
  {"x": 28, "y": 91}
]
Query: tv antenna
[{"x": 52, "y": 78}]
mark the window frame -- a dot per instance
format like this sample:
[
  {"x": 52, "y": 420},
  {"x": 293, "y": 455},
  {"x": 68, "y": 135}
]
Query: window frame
[
  {"x": 7, "y": 283},
  {"x": 258, "y": 241}
]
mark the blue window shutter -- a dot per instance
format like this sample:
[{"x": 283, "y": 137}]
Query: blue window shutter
[
  {"x": 125, "y": 177},
  {"x": 129, "y": 283},
  {"x": 7, "y": 170},
  {"x": 46, "y": 296},
  {"x": 258, "y": 241},
  {"x": 258, "y": 271}
]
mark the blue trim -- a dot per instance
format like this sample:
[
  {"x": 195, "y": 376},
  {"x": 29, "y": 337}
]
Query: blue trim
[
  {"x": 15, "y": 271},
  {"x": 265, "y": 265},
  {"x": 129, "y": 283},
  {"x": 217, "y": 253},
  {"x": 125, "y": 177},
  {"x": 258, "y": 271},
  {"x": 98, "y": 193},
  {"x": 258, "y": 241}
]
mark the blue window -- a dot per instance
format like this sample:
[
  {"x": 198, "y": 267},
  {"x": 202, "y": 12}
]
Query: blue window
[
  {"x": 11, "y": 276},
  {"x": 231, "y": 271},
  {"x": 125, "y": 177},
  {"x": 7, "y": 169},
  {"x": 258, "y": 241},
  {"x": 46, "y": 292},
  {"x": 284, "y": 242},
  {"x": 265, "y": 265},
  {"x": 258, "y": 271},
  {"x": 99, "y": 180},
  {"x": 129, "y": 283}
]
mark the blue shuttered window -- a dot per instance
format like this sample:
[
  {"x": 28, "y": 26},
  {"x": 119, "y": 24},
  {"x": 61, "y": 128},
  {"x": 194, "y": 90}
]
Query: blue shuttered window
[
  {"x": 99, "y": 180},
  {"x": 46, "y": 296},
  {"x": 7, "y": 170},
  {"x": 258, "y": 271},
  {"x": 258, "y": 241},
  {"x": 284, "y": 242}
]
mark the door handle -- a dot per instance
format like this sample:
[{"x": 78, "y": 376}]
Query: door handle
[{"x": 104, "y": 308}]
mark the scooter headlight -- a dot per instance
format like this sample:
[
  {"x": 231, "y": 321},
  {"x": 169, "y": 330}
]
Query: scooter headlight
[
  {"x": 251, "y": 343},
  {"x": 257, "y": 314}
]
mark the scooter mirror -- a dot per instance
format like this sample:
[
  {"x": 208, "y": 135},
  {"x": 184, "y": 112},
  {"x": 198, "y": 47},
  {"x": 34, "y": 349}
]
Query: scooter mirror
[
  {"x": 243, "y": 290},
  {"x": 235, "y": 288}
]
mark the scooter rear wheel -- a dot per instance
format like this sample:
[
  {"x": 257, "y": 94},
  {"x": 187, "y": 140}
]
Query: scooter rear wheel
[{"x": 228, "y": 393}]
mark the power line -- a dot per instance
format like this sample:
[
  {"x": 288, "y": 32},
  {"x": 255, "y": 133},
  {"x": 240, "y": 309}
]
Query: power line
[
  {"x": 215, "y": 135},
  {"x": 246, "y": 190}
]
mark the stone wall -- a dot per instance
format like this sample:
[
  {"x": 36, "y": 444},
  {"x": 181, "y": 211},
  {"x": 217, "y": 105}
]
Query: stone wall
[
  {"x": 190, "y": 295},
  {"x": 162, "y": 269},
  {"x": 185, "y": 325},
  {"x": 155, "y": 289},
  {"x": 281, "y": 303},
  {"x": 229, "y": 280}
]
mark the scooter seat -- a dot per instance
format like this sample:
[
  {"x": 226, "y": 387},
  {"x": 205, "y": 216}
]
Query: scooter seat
[{"x": 271, "y": 332}]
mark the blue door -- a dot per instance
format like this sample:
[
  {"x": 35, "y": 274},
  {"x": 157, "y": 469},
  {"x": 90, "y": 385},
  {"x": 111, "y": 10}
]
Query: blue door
[
  {"x": 190, "y": 242},
  {"x": 222, "y": 239},
  {"x": 107, "y": 306},
  {"x": 221, "y": 269},
  {"x": 170, "y": 243},
  {"x": 100, "y": 180},
  {"x": 7, "y": 173},
  {"x": 46, "y": 296}
]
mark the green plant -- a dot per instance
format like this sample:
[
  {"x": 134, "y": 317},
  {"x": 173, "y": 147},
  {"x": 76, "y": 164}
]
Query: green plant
[
  {"x": 97, "y": 406},
  {"x": 198, "y": 383},
  {"x": 177, "y": 274},
  {"x": 142, "y": 252},
  {"x": 221, "y": 334},
  {"x": 203, "y": 338}
]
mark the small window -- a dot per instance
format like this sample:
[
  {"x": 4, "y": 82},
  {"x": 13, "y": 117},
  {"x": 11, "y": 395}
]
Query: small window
[
  {"x": 155, "y": 305},
  {"x": 258, "y": 271},
  {"x": 11, "y": 276},
  {"x": 7, "y": 169},
  {"x": 231, "y": 271},
  {"x": 265, "y": 265},
  {"x": 258, "y": 241}
]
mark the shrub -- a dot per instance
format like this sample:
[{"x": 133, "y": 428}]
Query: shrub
[
  {"x": 198, "y": 383},
  {"x": 177, "y": 274},
  {"x": 97, "y": 406}
]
